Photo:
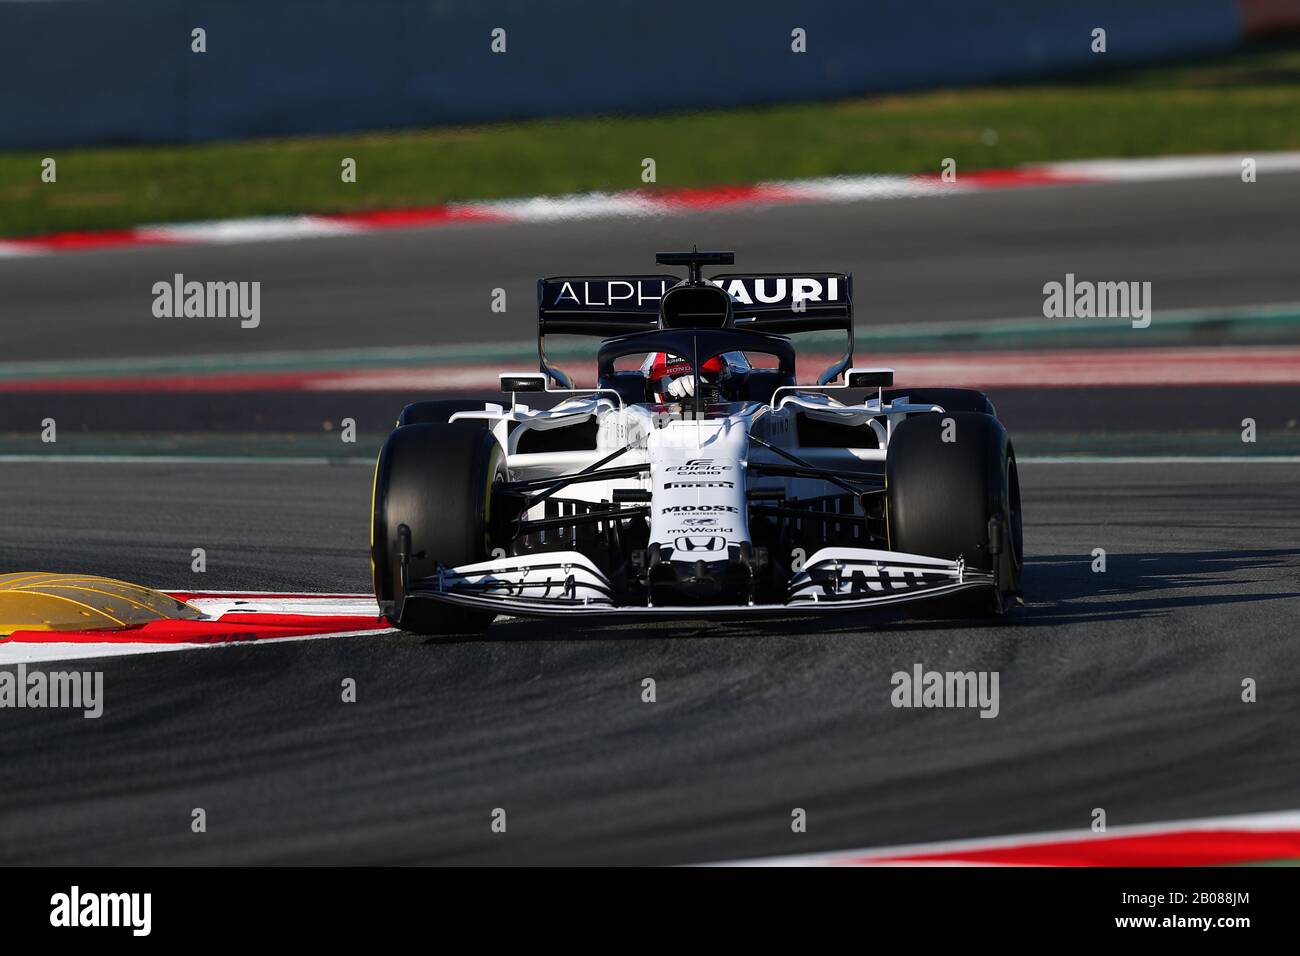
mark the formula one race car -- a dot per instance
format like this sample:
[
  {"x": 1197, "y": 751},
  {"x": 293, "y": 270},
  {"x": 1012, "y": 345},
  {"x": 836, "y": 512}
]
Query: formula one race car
[{"x": 696, "y": 479}]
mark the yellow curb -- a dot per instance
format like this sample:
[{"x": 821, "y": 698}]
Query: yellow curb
[{"x": 41, "y": 601}]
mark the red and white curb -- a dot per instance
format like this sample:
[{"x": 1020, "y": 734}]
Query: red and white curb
[
  {"x": 1214, "y": 841},
  {"x": 656, "y": 202},
  {"x": 1078, "y": 368},
  {"x": 229, "y": 618}
]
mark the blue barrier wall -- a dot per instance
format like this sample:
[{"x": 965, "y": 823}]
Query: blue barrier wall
[{"x": 121, "y": 71}]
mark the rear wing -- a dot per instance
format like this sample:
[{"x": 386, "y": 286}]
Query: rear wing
[
  {"x": 600, "y": 305},
  {"x": 778, "y": 303},
  {"x": 784, "y": 303}
]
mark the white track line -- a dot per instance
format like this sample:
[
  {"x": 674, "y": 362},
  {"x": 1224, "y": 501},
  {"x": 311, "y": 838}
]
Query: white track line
[
  {"x": 1280, "y": 820},
  {"x": 1227, "y": 165},
  {"x": 21, "y": 652}
]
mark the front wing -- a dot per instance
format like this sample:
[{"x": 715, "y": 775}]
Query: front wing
[{"x": 567, "y": 583}]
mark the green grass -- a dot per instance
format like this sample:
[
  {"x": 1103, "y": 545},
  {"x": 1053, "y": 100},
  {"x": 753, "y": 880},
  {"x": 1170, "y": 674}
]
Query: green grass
[{"x": 1247, "y": 102}]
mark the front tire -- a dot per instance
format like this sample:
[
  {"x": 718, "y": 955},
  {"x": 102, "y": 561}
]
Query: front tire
[
  {"x": 436, "y": 479},
  {"x": 952, "y": 490}
]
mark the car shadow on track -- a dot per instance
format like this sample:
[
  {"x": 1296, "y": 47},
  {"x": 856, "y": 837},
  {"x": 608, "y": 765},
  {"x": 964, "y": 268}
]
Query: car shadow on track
[{"x": 1062, "y": 589}]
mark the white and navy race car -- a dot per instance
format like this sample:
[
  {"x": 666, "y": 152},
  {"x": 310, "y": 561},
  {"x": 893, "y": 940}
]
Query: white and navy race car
[{"x": 717, "y": 487}]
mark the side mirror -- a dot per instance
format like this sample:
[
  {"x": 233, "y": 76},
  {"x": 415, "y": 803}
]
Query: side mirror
[
  {"x": 869, "y": 377},
  {"x": 522, "y": 381}
]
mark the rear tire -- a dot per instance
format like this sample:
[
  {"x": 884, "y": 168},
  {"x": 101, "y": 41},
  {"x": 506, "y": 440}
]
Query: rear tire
[
  {"x": 437, "y": 480},
  {"x": 951, "y": 399},
  {"x": 437, "y": 411},
  {"x": 958, "y": 498}
]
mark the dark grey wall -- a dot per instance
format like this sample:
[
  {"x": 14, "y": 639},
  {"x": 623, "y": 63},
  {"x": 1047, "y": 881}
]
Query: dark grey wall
[{"x": 121, "y": 71}]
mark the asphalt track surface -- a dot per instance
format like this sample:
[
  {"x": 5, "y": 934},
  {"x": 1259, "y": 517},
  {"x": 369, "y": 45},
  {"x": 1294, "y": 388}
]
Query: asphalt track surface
[
  {"x": 973, "y": 257},
  {"x": 1118, "y": 690}
]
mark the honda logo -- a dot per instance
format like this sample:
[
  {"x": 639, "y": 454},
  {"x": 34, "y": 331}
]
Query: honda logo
[{"x": 700, "y": 543}]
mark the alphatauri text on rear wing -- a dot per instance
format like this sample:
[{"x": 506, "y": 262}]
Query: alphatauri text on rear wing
[{"x": 781, "y": 303}]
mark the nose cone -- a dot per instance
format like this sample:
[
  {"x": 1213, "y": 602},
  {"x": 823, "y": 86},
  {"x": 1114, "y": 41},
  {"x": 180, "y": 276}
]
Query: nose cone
[{"x": 722, "y": 581}]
